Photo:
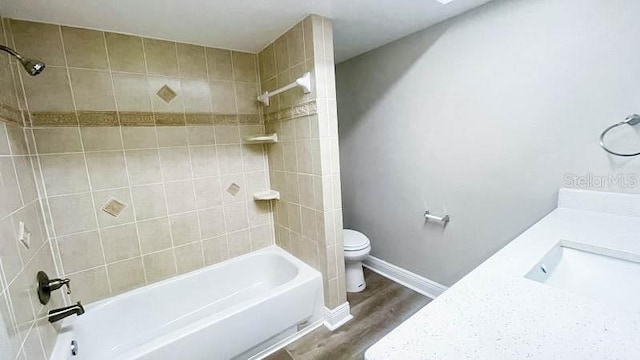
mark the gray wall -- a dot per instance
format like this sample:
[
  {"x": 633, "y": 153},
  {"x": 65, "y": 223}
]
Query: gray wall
[{"x": 486, "y": 115}]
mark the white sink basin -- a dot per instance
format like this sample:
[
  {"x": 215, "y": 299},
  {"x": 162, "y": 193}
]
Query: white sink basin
[{"x": 609, "y": 276}]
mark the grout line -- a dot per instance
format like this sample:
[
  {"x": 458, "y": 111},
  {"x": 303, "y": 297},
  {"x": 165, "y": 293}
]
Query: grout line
[
  {"x": 86, "y": 163},
  {"x": 126, "y": 167}
]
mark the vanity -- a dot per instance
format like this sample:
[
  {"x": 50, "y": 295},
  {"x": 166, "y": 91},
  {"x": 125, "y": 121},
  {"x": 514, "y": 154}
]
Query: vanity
[{"x": 567, "y": 288}]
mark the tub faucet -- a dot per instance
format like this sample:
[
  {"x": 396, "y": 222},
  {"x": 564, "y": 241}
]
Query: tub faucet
[{"x": 61, "y": 313}]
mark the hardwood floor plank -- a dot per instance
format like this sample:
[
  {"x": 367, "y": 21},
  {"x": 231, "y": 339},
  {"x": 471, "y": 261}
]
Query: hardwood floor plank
[{"x": 377, "y": 310}]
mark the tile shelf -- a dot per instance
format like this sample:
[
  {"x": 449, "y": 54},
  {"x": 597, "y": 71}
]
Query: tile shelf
[
  {"x": 266, "y": 195},
  {"x": 261, "y": 139}
]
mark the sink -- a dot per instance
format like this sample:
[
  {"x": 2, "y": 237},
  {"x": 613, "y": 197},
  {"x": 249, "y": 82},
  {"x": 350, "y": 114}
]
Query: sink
[{"x": 605, "y": 275}]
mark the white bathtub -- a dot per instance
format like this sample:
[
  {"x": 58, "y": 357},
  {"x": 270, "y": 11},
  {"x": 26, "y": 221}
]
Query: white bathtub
[{"x": 229, "y": 310}]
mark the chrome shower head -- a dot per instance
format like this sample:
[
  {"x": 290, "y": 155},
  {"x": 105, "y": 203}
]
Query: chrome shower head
[
  {"x": 632, "y": 119},
  {"x": 33, "y": 67}
]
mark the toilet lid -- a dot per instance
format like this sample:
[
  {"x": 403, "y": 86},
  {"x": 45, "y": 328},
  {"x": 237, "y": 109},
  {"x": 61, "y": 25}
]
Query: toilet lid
[{"x": 354, "y": 240}]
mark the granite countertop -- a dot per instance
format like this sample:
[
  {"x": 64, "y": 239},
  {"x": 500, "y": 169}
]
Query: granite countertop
[{"x": 496, "y": 313}]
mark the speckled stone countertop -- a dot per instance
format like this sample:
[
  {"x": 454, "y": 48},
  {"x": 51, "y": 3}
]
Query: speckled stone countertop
[{"x": 496, "y": 313}]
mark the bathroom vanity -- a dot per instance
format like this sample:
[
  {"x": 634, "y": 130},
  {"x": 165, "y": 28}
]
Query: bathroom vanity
[{"x": 567, "y": 288}]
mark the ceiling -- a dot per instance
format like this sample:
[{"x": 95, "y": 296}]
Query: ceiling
[{"x": 247, "y": 25}]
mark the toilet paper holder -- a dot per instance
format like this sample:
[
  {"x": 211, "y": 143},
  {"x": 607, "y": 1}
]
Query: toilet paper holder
[{"x": 444, "y": 218}]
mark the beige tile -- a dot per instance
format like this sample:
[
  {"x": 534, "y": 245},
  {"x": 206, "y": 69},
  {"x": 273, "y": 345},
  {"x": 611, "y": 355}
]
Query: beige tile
[
  {"x": 125, "y": 52},
  {"x": 132, "y": 92},
  {"x": 259, "y": 213},
  {"x": 254, "y": 182},
  {"x": 219, "y": 64},
  {"x": 184, "y": 228},
  {"x": 80, "y": 251},
  {"x": 5, "y": 148},
  {"x": 295, "y": 45},
  {"x": 9, "y": 253},
  {"x": 282, "y": 54},
  {"x": 64, "y": 174},
  {"x": 261, "y": 237},
  {"x": 306, "y": 190},
  {"x": 223, "y": 98},
  {"x": 196, "y": 95},
  {"x": 92, "y": 90},
  {"x": 244, "y": 67},
  {"x": 180, "y": 196},
  {"x": 235, "y": 216},
  {"x": 175, "y": 163},
  {"x": 72, "y": 213},
  {"x": 227, "y": 135},
  {"x": 290, "y": 158},
  {"x": 204, "y": 161},
  {"x": 49, "y": 91},
  {"x": 149, "y": 201},
  {"x": 169, "y": 136},
  {"x": 307, "y": 28},
  {"x": 230, "y": 159},
  {"x": 161, "y": 57},
  {"x": 208, "y": 192},
  {"x": 126, "y": 275},
  {"x": 294, "y": 217},
  {"x": 304, "y": 157},
  {"x": 309, "y": 226},
  {"x": 101, "y": 138},
  {"x": 200, "y": 135},
  {"x": 16, "y": 140},
  {"x": 31, "y": 216},
  {"x": 159, "y": 104},
  {"x": 253, "y": 158},
  {"x": 57, "y": 140},
  {"x": 239, "y": 243},
  {"x": 160, "y": 265},
  {"x": 89, "y": 285},
  {"x": 100, "y": 198},
  {"x": 246, "y": 95},
  {"x": 33, "y": 346},
  {"x": 107, "y": 169},
  {"x": 215, "y": 250},
  {"x": 143, "y": 166},
  {"x": 20, "y": 295},
  {"x": 154, "y": 234},
  {"x": 120, "y": 242},
  {"x": 267, "y": 62},
  {"x": 211, "y": 222},
  {"x": 85, "y": 48},
  {"x": 189, "y": 257},
  {"x": 139, "y": 137},
  {"x": 191, "y": 61},
  {"x": 40, "y": 41},
  {"x": 292, "y": 192}
]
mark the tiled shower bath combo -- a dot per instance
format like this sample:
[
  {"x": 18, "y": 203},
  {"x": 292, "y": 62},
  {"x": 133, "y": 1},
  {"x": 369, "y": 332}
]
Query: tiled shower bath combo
[{"x": 126, "y": 161}]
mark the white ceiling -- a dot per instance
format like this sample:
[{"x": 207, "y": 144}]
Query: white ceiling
[{"x": 247, "y": 25}]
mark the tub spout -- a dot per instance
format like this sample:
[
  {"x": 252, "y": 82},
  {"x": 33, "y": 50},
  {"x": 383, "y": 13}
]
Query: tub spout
[{"x": 59, "y": 314}]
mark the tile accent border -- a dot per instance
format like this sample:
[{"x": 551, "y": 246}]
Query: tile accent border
[
  {"x": 113, "y": 118},
  {"x": 10, "y": 115},
  {"x": 308, "y": 108},
  {"x": 415, "y": 282}
]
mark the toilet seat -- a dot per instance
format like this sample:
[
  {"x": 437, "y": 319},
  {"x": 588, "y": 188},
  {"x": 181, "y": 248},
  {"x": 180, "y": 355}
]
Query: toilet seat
[{"x": 354, "y": 240}]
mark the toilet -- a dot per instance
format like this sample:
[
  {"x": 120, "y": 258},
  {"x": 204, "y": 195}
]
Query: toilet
[{"x": 356, "y": 248}]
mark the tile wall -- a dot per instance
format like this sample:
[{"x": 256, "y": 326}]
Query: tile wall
[
  {"x": 154, "y": 125},
  {"x": 22, "y": 336},
  {"x": 305, "y": 166}
]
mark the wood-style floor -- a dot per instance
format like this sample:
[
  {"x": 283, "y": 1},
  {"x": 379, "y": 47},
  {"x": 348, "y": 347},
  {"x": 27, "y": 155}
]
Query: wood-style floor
[{"x": 376, "y": 311}]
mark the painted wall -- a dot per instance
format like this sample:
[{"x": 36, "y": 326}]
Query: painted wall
[{"x": 484, "y": 117}]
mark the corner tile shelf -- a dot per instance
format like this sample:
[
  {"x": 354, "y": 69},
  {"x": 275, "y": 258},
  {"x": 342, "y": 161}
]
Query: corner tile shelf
[
  {"x": 261, "y": 139},
  {"x": 266, "y": 195}
]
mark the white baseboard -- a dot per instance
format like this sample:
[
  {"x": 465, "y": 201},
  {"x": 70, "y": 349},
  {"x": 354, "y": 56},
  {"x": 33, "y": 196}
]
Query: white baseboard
[
  {"x": 334, "y": 318},
  {"x": 404, "y": 277},
  {"x": 282, "y": 344}
]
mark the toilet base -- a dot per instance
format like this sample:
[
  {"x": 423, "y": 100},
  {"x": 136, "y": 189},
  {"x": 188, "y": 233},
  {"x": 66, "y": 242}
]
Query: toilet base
[{"x": 354, "y": 277}]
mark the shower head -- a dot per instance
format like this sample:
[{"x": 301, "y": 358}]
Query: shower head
[
  {"x": 33, "y": 67},
  {"x": 632, "y": 119}
]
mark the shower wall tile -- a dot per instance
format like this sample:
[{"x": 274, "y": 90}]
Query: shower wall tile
[
  {"x": 304, "y": 166},
  {"x": 84, "y": 48},
  {"x": 161, "y": 57},
  {"x": 40, "y": 41},
  {"x": 125, "y": 52}
]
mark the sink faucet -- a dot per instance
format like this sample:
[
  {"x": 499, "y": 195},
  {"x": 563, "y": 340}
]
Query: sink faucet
[{"x": 61, "y": 313}]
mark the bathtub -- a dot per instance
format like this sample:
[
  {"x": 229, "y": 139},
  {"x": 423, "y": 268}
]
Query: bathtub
[{"x": 234, "y": 309}]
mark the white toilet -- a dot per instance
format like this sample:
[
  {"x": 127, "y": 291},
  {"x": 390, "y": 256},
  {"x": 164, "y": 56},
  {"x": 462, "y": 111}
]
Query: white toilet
[{"x": 356, "y": 249}]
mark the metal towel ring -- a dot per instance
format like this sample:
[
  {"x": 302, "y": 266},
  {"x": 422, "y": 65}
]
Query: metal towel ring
[{"x": 629, "y": 120}]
